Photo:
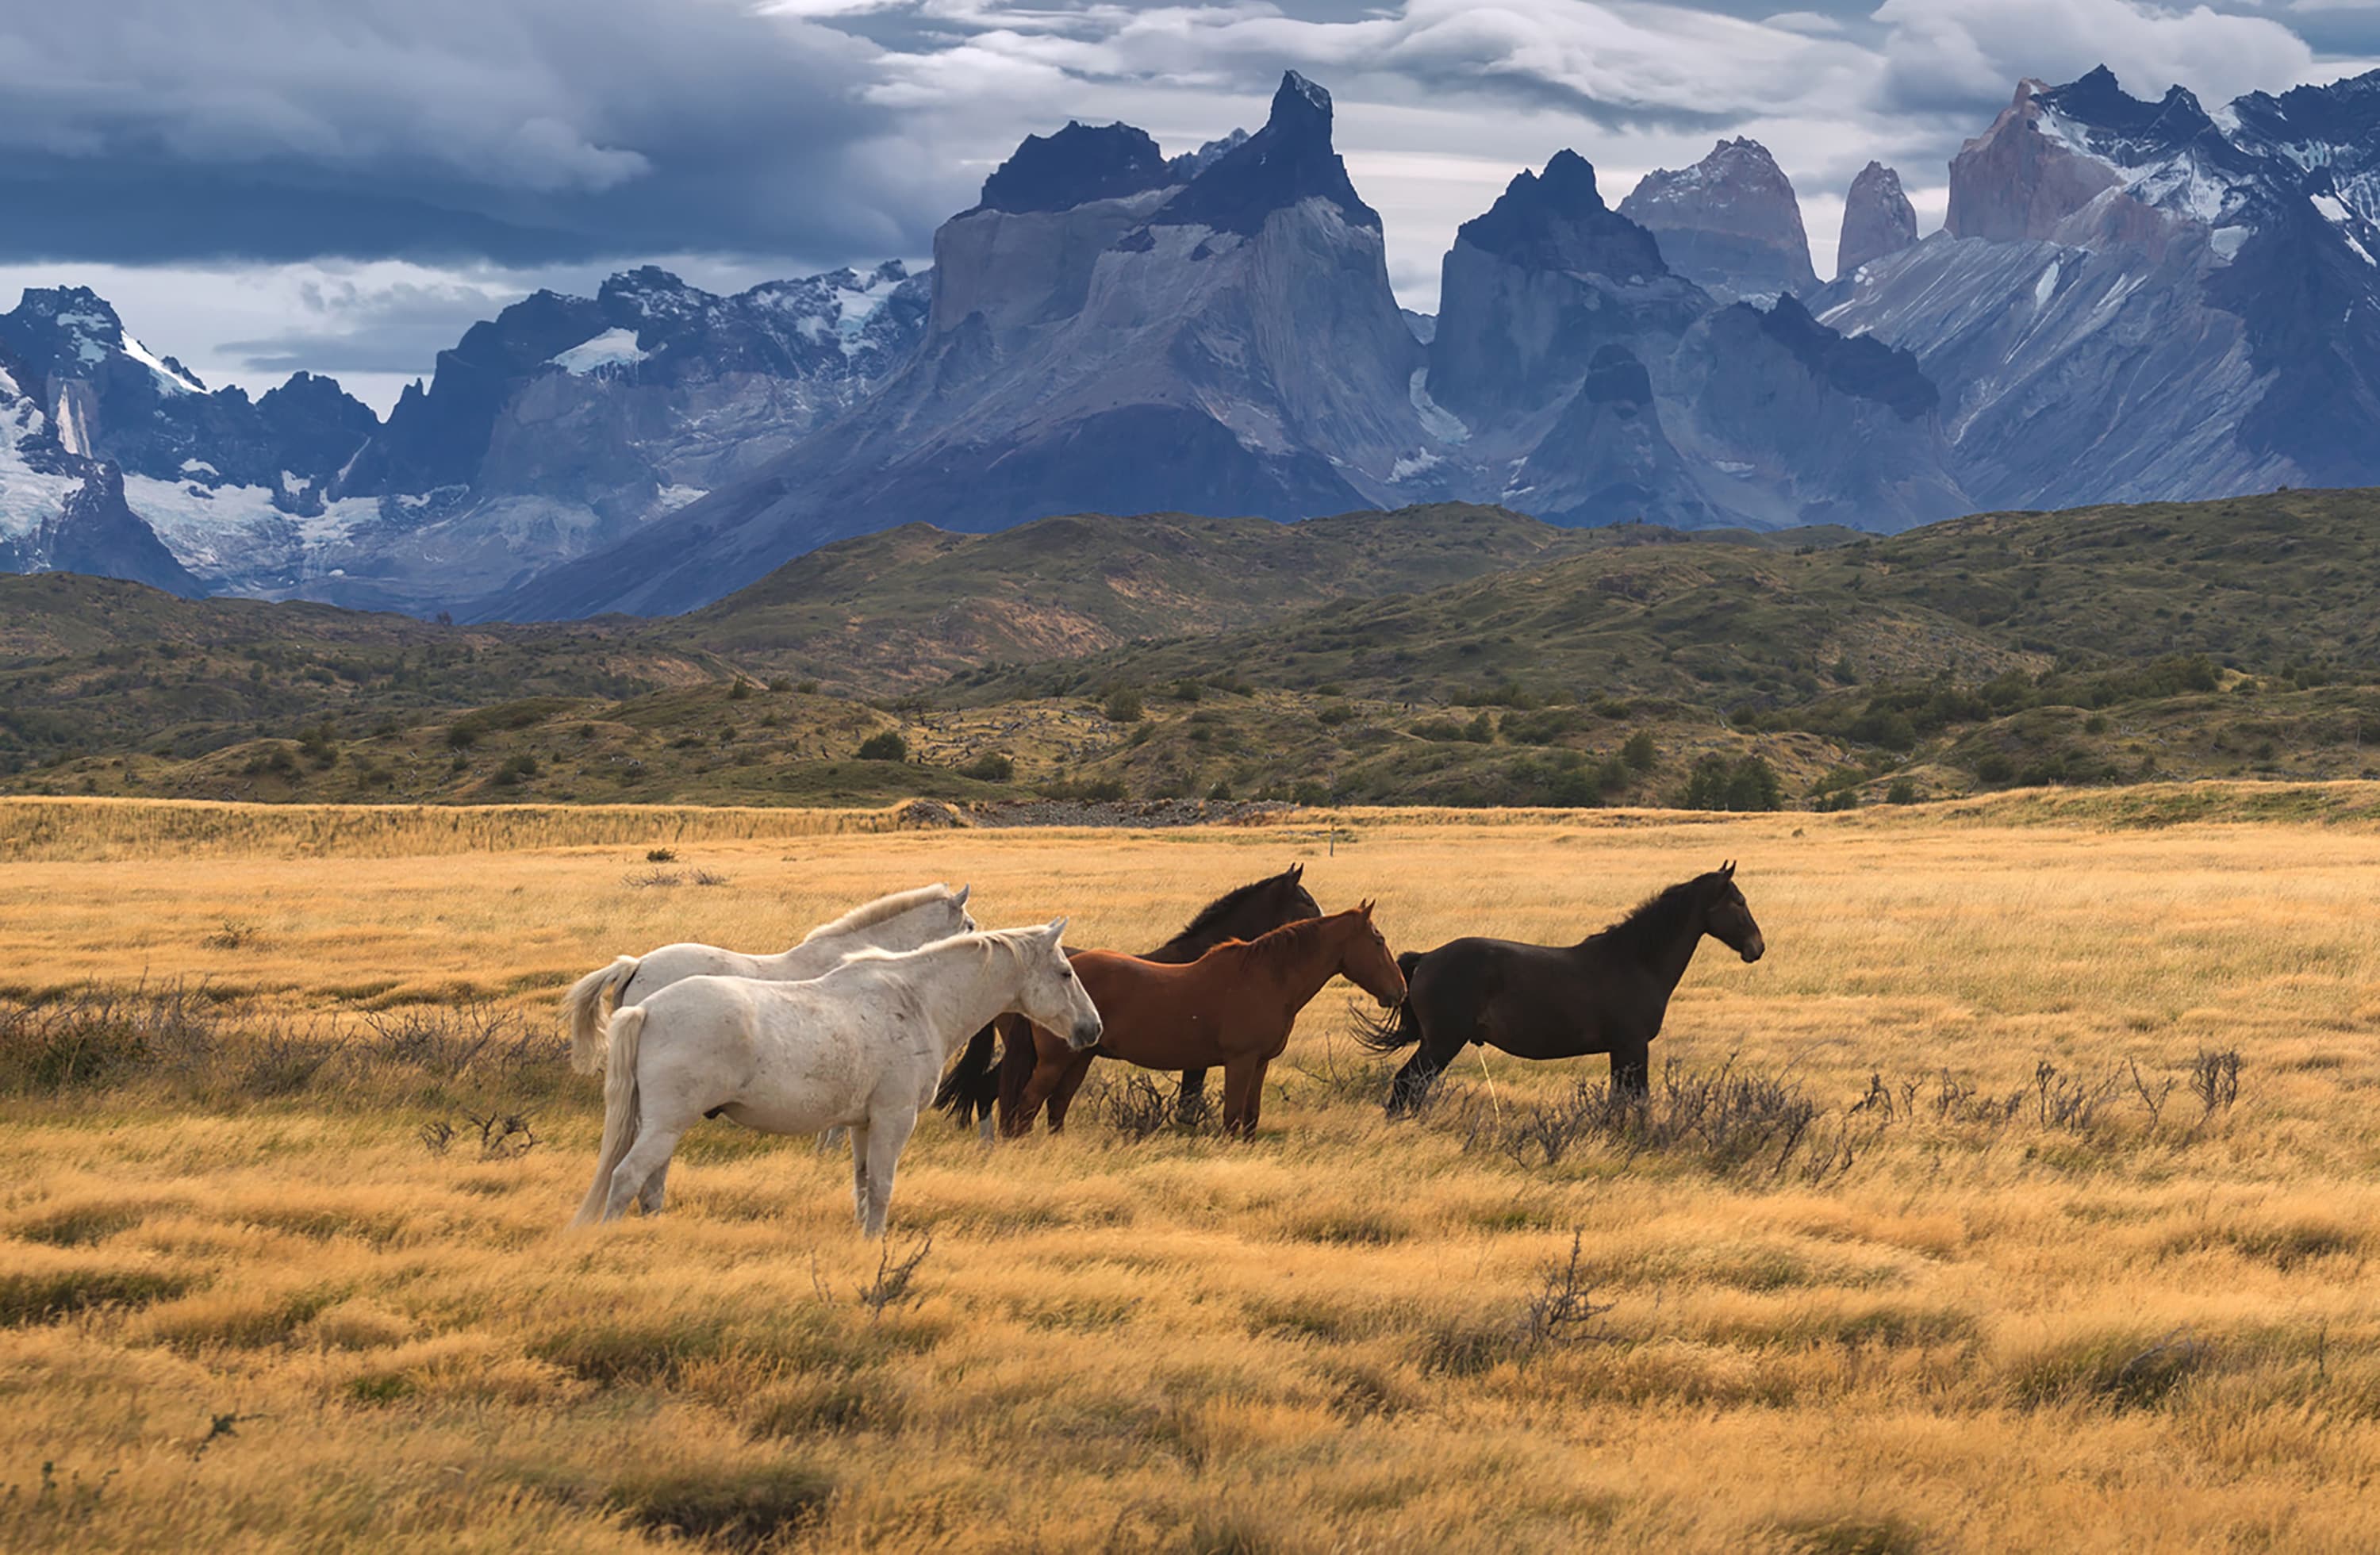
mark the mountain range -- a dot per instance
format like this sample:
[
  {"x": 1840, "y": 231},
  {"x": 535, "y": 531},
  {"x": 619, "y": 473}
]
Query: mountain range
[{"x": 2130, "y": 301}]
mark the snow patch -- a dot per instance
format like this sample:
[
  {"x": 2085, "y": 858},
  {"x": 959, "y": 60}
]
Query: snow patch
[
  {"x": 198, "y": 466},
  {"x": 670, "y": 498},
  {"x": 1436, "y": 420},
  {"x": 2046, "y": 287},
  {"x": 611, "y": 349},
  {"x": 236, "y": 528},
  {"x": 2228, "y": 241},
  {"x": 1413, "y": 464},
  {"x": 174, "y": 383}
]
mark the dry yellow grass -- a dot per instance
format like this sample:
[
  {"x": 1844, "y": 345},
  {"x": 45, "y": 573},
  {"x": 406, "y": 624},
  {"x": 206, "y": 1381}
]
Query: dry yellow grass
[{"x": 1974, "y": 1335}]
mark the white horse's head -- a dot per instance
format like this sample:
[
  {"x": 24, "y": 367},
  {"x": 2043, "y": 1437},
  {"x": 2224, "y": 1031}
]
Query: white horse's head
[
  {"x": 961, "y": 921},
  {"x": 1052, "y": 997}
]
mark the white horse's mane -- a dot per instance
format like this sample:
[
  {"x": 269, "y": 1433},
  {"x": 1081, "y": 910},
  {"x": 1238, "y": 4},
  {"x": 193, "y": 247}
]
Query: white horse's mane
[
  {"x": 869, "y": 914},
  {"x": 985, "y": 939}
]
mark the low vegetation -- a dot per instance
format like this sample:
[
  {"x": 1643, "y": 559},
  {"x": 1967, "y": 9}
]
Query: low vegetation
[
  {"x": 1438, "y": 656},
  {"x": 1906, "y": 1221}
]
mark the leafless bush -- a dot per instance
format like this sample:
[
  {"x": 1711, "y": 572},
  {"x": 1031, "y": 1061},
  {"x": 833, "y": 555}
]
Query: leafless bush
[
  {"x": 235, "y": 934},
  {"x": 664, "y": 880},
  {"x": 894, "y": 1283},
  {"x": 503, "y": 1136},
  {"x": 706, "y": 877},
  {"x": 2152, "y": 1099},
  {"x": 1564, "y": 1308},
  {"x": 2215, "y": 1080},
  {"x": 96, "y": 1036},
  {"x": 447, "y": 1041},
  {"x": 660, "y": 855},
  {"x": 437, "y": 1137},
  {"x": 1724, "y": 1118},
  {"x": 1138, "y": 1109}
]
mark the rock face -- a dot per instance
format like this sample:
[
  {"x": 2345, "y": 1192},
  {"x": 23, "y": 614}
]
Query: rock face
[
  {"x": 1224, "y": 343},
  {"x": 1615, "y": 390},
  {"x": 549, "y": 432},
  {"x": 1729, "y": 224},
  {"x": 63, "y": 511},
  {"x": 2137, "y": 301},
  {"x": 1877, "y": 219}
]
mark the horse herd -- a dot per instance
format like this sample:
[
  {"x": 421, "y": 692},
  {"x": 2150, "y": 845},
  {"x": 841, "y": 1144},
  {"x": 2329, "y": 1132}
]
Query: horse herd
[{"x": 854, "y": 1027}]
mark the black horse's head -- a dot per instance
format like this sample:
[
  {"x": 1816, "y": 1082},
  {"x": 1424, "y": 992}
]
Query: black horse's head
[
  {"x": 1294, "y": 901},
  {"x": 1727, "y": 918}
]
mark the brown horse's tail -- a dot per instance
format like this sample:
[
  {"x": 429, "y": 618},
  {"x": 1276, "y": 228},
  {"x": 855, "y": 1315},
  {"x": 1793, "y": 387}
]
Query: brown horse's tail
[
  {"x": 1397, "y": 1028},
  {"x": 968, "y": 1091}
]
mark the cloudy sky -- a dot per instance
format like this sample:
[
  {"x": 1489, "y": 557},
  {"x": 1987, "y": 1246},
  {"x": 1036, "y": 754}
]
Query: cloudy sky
[{"x": 345, "y": 185}]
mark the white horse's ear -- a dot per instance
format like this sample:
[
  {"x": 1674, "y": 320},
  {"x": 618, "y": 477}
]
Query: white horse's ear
[
  {"x": 1057, "y": 927},
  {"x": 960, "y": 899}
]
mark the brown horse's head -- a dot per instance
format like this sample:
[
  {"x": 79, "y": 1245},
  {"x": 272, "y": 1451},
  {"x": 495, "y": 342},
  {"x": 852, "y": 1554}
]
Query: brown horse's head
[
  {"x": 1727, "y": 918},
  {"x": 1363, "y": 960}
]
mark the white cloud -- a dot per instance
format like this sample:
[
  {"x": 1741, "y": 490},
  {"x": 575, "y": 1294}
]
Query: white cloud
[{"x": 1973, "y": 49}]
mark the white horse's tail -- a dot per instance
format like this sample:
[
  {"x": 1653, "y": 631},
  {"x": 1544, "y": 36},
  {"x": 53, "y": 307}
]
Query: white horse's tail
[
  {"x": 582, "y": 1011},
  {"x": 621, "y": 1104}
]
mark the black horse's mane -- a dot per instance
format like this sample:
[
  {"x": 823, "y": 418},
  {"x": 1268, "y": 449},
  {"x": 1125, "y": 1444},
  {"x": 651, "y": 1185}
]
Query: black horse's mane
[
  {"x": 1224, "y": 905},
  {"x": 1660, "y": 917}
]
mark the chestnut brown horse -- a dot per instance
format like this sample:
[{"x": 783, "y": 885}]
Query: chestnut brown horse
[
  {"x": 973, "y": 1087},
  {"x": 1233, "y": 1007}
]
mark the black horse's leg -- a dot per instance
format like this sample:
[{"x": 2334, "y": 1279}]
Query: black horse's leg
[
  {"x": 1630, "y": 1069},
  {"x": 1190, "y": 1106},
  {"x": 1412, "y": 1086}
]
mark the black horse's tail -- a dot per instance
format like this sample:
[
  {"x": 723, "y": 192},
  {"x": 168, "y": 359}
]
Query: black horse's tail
[
  {"x": 972, "y": 1087},
  {"x": 1398, "y": 1028}
]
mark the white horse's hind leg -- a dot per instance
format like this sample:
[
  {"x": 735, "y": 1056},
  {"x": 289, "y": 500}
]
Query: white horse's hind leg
[
  {"x": 886, "y": 1137},
  {"x": 649, "y": 1197},
  {"x": 860, "y": 1173},
  {"x": 645, "y": 1165}
]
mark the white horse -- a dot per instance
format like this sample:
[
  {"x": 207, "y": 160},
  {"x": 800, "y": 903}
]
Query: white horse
[
  {"x": 862, "y": 1046},
  {"x": 902, "y": 921}
]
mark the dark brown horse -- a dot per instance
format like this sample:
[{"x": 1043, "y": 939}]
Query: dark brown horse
[
  {"x": 1234, "y": 1006},
  {"x": 1606, "y": 994},
  {"x": 973, "y": 1085}
]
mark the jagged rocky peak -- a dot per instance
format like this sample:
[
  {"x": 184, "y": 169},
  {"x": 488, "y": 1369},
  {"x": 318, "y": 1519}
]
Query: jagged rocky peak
[
  {"x": 2015, "y": 181},
  {"x": 1730, "y": 222},
  {"x": 1877, "y": 219},
  {"x": 72, "y": 332},
  {"x": 1288, "y": 160},
  {"x": 1076, "y": 166},
  {"x": 1189, "y": 164},
  {"x": 1556, "y": 220},
  {"x": 649, "y": 292}
]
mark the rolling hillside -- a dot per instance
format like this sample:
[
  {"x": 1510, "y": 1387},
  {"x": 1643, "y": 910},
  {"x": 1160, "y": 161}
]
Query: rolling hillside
[{"x": 1448, "y": 654}]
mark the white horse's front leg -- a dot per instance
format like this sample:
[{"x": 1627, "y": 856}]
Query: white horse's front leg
[
  {"x": 886, "y": 1138},
  {"x": 655, "y": 1187},
  {"x": 859, "y": 1132}
]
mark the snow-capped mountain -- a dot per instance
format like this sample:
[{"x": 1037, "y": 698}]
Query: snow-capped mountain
[
  {"x": 2142, "y": 301},
  {"x": 2131, "y": 300},
  {"x": 549, "y": 432},
  {"x": 1110, "y": 331}
]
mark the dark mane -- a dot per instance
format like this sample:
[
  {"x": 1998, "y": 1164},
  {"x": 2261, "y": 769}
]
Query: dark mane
[
  {"x": 1224, "y": 905},
  {"x": 1658, "y": 920}
]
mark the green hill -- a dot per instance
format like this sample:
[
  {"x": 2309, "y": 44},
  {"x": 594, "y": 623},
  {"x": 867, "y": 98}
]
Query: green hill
[{"x": 1448, "y": 654}]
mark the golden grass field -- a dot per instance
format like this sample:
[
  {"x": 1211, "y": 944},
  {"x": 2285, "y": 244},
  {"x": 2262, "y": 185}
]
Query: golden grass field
[{"x": 245, "y": 1305}]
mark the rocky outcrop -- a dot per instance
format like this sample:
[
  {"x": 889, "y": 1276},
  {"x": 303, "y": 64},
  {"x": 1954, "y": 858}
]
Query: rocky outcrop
[
  {"x": 1877, "y": 219},
  {"x": 1225, "y": 345},
  {"x": 2139, "y": 301},
  {"x": 1729, "y": 224}
]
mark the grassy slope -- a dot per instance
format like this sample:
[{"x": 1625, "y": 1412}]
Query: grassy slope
[{"x": 1327, "y": 654}]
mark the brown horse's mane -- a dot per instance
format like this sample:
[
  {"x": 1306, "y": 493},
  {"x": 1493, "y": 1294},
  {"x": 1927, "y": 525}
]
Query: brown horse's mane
[
  {"x": 1280, "y": 944},
  {"x": 1224, "y": 905},
  {"x": 1658, "y": 920}
]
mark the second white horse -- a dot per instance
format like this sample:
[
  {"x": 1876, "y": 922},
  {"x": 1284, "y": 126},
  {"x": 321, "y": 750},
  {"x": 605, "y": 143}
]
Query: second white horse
[
  {"x": 862, "y": 1046},
  {"x": 902, "y": 921}
]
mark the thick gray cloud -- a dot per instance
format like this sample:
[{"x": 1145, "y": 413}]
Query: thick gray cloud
[
  {"x": 523, "y": 131},
  {"x": 256, "y": 169}
]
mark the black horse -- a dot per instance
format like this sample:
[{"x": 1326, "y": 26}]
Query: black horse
[
  {"x": 1606, "y": 994},
  {"x": 972, "y": 1087}
]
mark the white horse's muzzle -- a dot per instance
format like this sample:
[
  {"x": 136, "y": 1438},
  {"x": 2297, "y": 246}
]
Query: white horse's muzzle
[{"x": 1085, "y": 1035}]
